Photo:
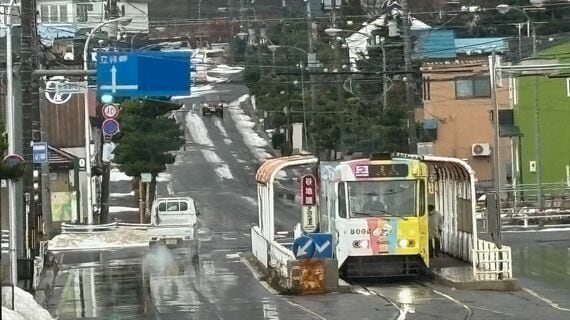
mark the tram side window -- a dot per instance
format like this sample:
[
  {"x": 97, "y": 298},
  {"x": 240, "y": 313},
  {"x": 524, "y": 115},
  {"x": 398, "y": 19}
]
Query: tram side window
[
  {"x": 422, "y": 198},
  {"x": 342, "y": 200}
]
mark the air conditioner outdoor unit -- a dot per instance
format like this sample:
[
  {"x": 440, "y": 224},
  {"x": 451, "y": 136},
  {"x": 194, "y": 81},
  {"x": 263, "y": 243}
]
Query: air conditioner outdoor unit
[{"x": 480, "y": 150}]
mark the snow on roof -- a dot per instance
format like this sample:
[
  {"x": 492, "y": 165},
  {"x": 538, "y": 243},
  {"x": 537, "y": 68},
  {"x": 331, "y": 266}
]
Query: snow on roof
[
  {"x": 26, "y": 307},
  {"x": 49, "y": 33},
  {"x": 358, "y": 42}
]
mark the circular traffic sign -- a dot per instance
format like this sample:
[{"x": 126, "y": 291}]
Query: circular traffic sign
[
  {"x": 110, "y": 127},
  {"x": 110, "y": 111},
  {"x": 53, "y": 93},
  {"x": 13, "y": 160}
]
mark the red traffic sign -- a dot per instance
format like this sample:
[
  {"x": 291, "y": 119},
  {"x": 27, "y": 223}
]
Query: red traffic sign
[
  {"x": 110, "y": 127},
  {"x": 308, "y": 190},
  {"x": 110, "y": 111}
]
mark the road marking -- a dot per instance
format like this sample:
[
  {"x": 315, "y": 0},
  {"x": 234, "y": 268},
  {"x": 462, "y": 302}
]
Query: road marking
[
  {"x": 469, "y": 311},
  {"x": 318, "y": 316},
  {"x": 493, "y": 311},
  {"x": 544, "y": 299}
]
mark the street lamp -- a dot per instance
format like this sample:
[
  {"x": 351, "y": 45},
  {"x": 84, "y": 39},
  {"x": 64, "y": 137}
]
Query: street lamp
[
  {"x": 274, "y": 48},
  {"x": 505, "y": 8},
  {"x": 124, "y": 21}
]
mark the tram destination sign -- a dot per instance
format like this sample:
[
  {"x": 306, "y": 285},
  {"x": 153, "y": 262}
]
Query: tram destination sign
[{"x": 399, "y": 170}]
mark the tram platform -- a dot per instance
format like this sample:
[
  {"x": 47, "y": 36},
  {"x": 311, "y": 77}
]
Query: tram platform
[{"x": 459, "y": 274}]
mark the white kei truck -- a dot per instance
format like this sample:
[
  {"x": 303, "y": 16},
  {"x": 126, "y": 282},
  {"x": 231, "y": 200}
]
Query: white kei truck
[{"x": 174, "y": 221}]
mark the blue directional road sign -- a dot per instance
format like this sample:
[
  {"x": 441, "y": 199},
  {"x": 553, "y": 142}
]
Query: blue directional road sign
[
  {"x": 303, "y": 247},
  {"x": 144, "y": 73},
  {"x": 110, "y": 127},
  {"x": 40, "y": 152},
  {"x": 323, "y": 245}
]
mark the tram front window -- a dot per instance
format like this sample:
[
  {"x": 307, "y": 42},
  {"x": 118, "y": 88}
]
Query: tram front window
[{"x": 395, "y": 198}]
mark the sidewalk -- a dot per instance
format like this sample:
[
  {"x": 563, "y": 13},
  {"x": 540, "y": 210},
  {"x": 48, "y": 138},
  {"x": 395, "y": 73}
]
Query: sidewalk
[
  {"x": 122, "y": 205},
  {"x": 287, "y": 186}
]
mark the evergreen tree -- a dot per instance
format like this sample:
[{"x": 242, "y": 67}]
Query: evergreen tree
[{"x": 147, "y": 139}]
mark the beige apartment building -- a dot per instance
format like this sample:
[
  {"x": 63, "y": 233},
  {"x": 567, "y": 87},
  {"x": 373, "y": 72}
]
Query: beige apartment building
[{"x": 457, "y": 113}]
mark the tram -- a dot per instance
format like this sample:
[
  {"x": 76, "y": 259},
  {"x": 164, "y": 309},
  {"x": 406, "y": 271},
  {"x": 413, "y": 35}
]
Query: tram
[{"x": 376, "y": 210}]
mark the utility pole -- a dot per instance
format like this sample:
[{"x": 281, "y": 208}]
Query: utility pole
[
  {"x": 384, "y": 75},
  {"x": 312, "y": 78},
  {"x": 339, "y": 90},
  {"x": 31, "y": 117},
  {"x": 10, "y": 126},
  {"x": 537, "y": 149},
  {"x": 410, "y": 81},
  {"x": 497, "y": 139}
]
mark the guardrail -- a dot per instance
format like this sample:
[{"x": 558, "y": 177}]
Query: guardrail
[
  {"x": 538, "y": 220},
  {"x": 271, "y": 253},
  {"x": 491, "y": 262},
  {"x": 80, "y": 228}
]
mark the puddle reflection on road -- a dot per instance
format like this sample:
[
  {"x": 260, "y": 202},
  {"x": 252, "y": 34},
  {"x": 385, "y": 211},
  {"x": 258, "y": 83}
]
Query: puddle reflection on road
[{"x": 547, "y": 264}]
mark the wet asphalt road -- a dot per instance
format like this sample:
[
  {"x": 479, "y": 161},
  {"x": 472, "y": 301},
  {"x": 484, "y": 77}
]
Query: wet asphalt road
[{"x": 168, "y": 284}]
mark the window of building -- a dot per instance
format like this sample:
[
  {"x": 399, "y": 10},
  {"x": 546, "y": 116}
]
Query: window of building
[
  {"x": 44, "y": 13},
  {"x": 476, "y": 87},
  {"x": 63, "y": 13},
  {"x": 82, "y": 11},
  {"x": 53, "y": 13}
]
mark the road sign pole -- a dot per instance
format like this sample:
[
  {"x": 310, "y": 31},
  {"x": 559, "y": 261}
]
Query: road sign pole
[{"x": 86, "y": 58}]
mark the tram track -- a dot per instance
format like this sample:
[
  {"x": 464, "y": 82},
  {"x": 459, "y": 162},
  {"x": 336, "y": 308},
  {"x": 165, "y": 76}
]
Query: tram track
[{"x": 408, "y": 298}]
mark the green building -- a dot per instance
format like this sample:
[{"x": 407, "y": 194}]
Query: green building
[{"x": 551, "y": 93}]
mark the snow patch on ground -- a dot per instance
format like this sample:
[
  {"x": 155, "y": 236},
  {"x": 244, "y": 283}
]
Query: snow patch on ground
[
  {"x": 121, "y": 195},
  {"x": 117, "y": 209},
  {"x": 220, "y": 127},
  {"x": 222, "y": 170},
  {"x": 198, "y": 130},
  {"x": 251, "y": 200},
  {"x": 117, "y": 175},
  {"x": 245, "y": 126},
  {"x": 214, "y": 79},
  {"x": 164, "y": 177},
  {"x": 222, "y": 68},
  {"x": 196, "y": 91},
  {"x": 26, "y": 307},
  {"x": 118, "y": 238}
]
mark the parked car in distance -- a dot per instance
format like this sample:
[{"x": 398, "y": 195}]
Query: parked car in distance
[{"x": 213, "y": 104}]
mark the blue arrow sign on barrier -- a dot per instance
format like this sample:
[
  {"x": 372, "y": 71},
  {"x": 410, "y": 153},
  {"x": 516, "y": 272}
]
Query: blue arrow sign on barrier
[
  {"x": 144, "y": 73},
  {"x": 303, "y": 247},
  {"x": 323, "y": 245}
]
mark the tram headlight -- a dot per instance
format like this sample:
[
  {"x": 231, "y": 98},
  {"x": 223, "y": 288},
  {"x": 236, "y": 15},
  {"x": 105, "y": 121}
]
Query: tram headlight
[{"x": 406, "y": 243}]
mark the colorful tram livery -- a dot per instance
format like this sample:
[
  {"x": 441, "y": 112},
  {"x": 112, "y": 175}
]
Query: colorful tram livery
[{"x": 376, "y": 210}]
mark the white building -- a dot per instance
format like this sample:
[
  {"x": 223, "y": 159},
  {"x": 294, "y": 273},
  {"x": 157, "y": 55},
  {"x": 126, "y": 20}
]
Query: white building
[
  {"x": 358, "y": 42},
  {"x": 89, "y": 13}
]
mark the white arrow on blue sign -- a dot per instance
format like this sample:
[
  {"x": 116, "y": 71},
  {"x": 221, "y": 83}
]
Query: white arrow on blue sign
[
  {"x": 323, "y": 245},
  {"x": 40, "y": 152},
  {"x": 304, "y": 248}
]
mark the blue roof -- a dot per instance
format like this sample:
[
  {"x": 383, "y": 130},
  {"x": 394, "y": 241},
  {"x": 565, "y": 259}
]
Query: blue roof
[
  {"x": 481, "y": 45},
  {"x": 48, "y": 33},
  {"x": 434, "y": 44},
  {"x": 442, "y": 44}
]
